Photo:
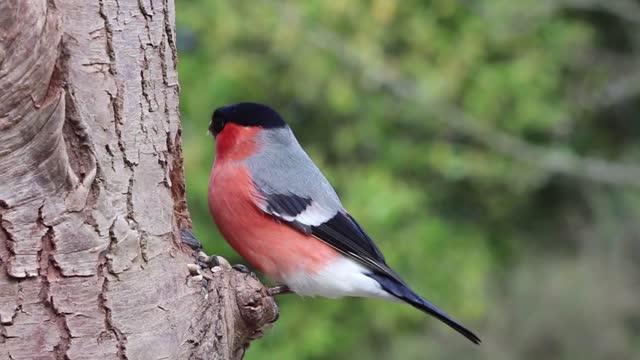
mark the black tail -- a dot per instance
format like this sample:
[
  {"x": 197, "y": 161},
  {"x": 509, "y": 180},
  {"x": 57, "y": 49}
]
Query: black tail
[{"x": 403, "y": 292}]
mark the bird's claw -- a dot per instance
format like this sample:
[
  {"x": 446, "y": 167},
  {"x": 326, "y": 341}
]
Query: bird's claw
[
  {"x": 190, "y": 240},
  {"x": 241, "y": 268}
]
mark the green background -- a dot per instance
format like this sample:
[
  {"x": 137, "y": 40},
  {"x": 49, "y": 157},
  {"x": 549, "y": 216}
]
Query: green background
[{"x": 491, "y": 149}]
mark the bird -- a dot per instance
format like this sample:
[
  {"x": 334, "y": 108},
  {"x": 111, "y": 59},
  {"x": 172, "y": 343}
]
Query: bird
[{"x": 277, "y": 210}]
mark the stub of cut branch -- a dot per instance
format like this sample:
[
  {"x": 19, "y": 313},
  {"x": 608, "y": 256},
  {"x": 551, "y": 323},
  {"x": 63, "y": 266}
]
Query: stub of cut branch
[{"x": 233, "y": 303}]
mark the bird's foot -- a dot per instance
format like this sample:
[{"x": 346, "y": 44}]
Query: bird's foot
[
  {"x": 190, "y": 240},
  {"x": 241, "y": 268},
  {"x": 279, "y": 290}
]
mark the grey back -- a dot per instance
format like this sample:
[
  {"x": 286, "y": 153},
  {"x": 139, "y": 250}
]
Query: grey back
[{"x": 281, "y": 166}]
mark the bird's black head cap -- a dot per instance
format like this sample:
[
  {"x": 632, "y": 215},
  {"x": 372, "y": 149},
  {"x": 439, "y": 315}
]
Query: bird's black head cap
[{"x": 245, "y": 114}]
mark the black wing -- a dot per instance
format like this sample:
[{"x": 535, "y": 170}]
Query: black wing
[
  {"x": 288, "y": 206},
  {"x": 336, "y": 228},
  {"x": 340, "y": 231}
]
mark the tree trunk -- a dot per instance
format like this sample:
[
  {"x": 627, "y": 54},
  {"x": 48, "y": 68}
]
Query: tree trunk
[{"x": 92, "y": 196}]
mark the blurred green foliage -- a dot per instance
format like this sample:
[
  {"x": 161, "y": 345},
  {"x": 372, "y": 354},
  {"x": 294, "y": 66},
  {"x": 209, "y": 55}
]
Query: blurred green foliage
[{"x": 417, "y": 112}]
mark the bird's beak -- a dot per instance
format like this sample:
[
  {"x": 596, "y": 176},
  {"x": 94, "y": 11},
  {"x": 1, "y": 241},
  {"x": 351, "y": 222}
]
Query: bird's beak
[{"x": 209, "y": 133}]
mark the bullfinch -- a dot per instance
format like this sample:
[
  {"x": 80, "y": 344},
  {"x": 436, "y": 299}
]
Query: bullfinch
[{"x": 276, "y": 209}]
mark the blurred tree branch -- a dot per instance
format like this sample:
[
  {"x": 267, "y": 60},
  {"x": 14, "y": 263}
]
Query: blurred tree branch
[
  {"x": 379, "y": 73},
  {"x": 625, "y": 9}
]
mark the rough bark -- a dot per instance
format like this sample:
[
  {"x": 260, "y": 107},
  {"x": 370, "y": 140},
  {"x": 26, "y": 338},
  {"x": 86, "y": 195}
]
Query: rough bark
[{"x": 92, "y": 193}]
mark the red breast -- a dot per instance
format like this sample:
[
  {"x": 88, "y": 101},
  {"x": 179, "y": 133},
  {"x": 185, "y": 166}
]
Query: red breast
[
  {"x": 235, "y": 143},
  {"x": 274, "y": 248}
]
